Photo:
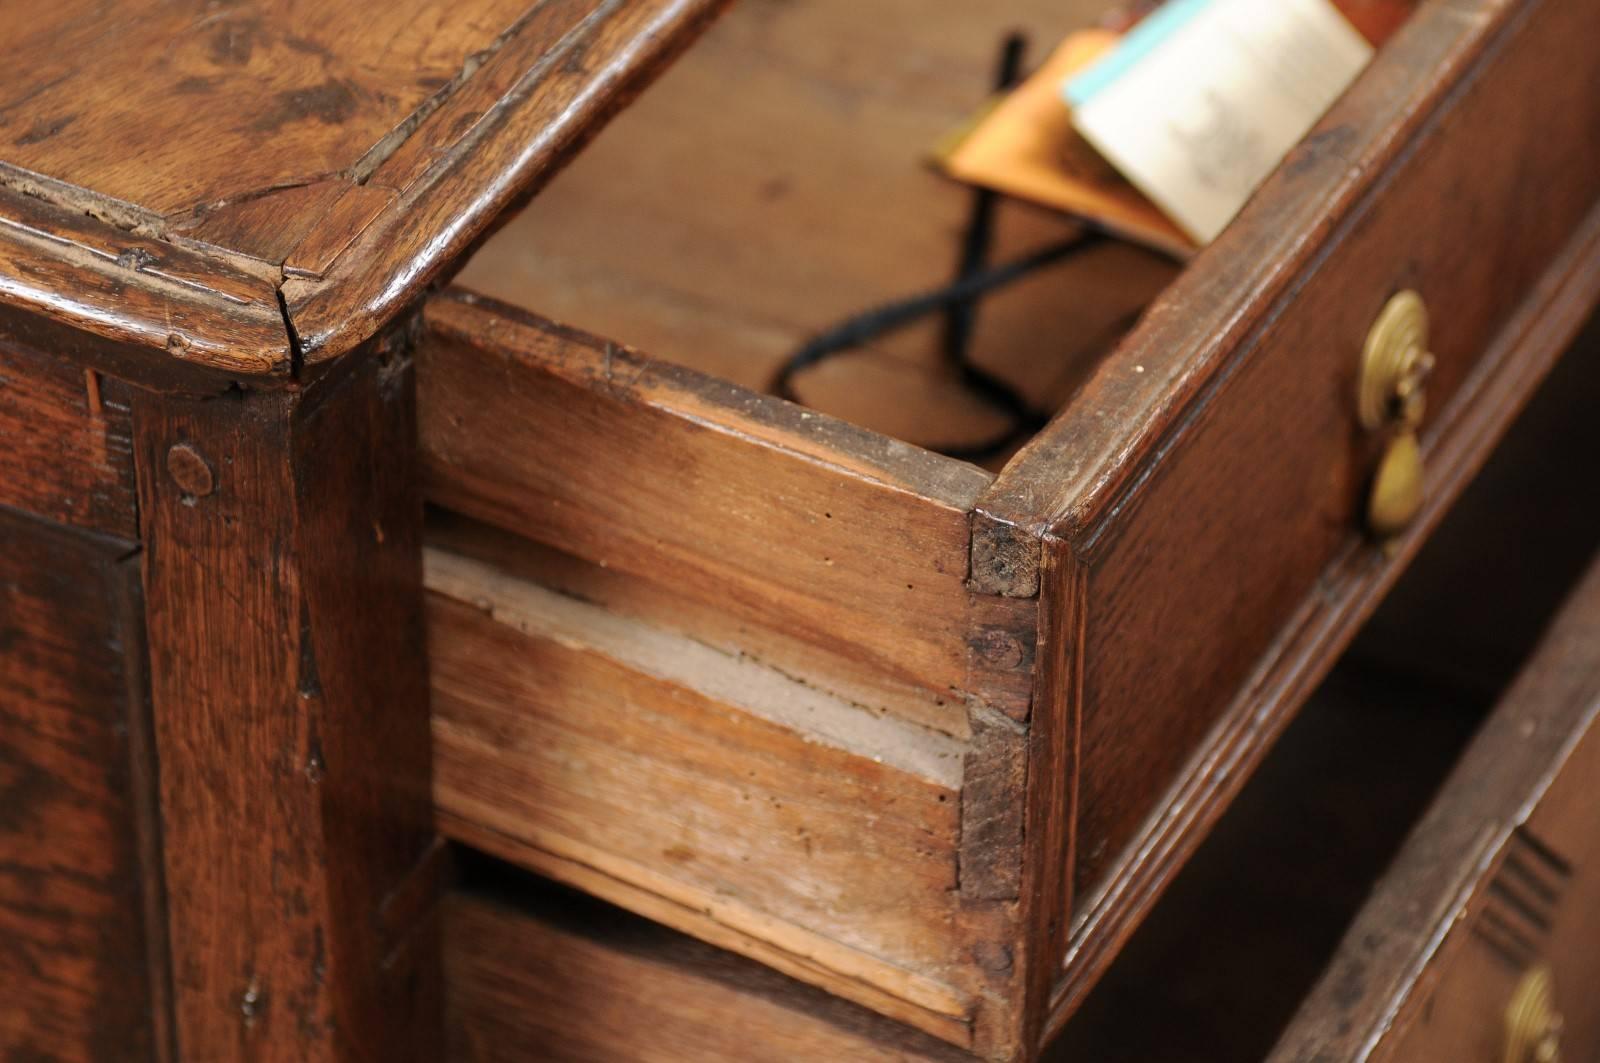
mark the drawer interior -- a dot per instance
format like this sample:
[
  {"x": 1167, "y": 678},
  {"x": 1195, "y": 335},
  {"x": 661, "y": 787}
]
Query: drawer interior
[
  {"x": 775, "y": 182},
  {"x": 1245, "y": 929}
]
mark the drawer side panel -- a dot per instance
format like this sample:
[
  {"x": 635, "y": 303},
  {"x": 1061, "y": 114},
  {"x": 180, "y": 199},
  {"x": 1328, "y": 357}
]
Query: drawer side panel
[
  {"x": 850, "y": 542},
  {"x": 705, "y": 789}
]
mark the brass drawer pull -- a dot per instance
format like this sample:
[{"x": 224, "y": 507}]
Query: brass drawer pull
[
  {"x": 1395, "y": 364},
  {"x": 1533, "y": 1025}
]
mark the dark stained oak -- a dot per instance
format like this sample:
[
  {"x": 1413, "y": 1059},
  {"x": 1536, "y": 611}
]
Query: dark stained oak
[
  {"x": 169, "y": 313},
  {"x": 166, "y": 170},
  {"x": 291, "y": 716},
  {"x": 66, "y": 444},
  {"x": 82, "y": 958},
  {"x": 202, "y": 208},
  {"x": 342, "y": 154}
]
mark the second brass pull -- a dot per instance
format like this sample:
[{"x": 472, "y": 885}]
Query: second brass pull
[{"x": 1533, "y": 1025}]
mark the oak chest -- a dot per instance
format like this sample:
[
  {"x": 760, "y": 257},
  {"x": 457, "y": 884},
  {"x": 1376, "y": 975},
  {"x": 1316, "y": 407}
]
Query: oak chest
[{"x": 319, "y": 572}]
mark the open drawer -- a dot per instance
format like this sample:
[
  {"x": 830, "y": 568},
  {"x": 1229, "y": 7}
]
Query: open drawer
[
  {"x": 1243, "y": 933},
  {"x": 929, "y": 735}
]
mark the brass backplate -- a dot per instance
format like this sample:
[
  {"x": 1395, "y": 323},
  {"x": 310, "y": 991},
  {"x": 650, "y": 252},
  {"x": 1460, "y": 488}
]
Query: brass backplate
[
  {"x": 1533, "y": 1025},
  {"x": 1394, "y": 359}
]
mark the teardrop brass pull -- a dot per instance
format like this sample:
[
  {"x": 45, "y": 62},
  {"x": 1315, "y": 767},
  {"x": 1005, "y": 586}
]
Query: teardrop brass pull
[
  {"x": 1395, "y": 365},
  {"x": 1533, "y": 1025},
  {"x": 1397, "y": 487}
]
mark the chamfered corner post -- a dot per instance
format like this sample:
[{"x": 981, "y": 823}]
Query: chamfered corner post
[{"x": 281, "y": 532}]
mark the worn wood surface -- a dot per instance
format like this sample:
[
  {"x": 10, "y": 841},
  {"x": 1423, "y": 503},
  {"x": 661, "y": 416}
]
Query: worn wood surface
[
  {"x": 66, "y": 449},
  {"x": 848, "y": 541},
  {"x": 82, "y": 963},
  {"x": 184, "y": 110},
  {"x": 1503, "y": 873},
  {"x": 169, "y": 166},
  {"x": 171, "y": 313},
  {"x": 523, "y": 114},
  {"x": 282, "y": 567},
  {"x": 539, "y": 973}
]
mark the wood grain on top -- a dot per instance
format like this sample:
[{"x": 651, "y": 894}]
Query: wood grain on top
[
  {"x": 183, "y": 108},
  {"x": 167, "y": 168}
]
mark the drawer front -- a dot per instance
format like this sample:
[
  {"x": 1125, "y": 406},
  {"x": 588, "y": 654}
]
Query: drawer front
[
  {"x": 1226, "y": 565},
  {"x": 1483, "y": 932}
]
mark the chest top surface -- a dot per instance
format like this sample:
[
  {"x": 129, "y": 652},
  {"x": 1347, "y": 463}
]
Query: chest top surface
[{"x": 257, "y": 186}]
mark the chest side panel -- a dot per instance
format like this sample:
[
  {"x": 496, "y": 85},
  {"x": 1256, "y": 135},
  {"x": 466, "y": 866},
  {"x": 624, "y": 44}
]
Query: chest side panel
[
  {"x": 65, "y": 450},
  {"x": 72, "y": 892}
]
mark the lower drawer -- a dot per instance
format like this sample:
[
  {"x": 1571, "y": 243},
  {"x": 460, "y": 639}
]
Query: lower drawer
[
  {"x": 1497, "y": 891},
  {"x": 1480, "y": 943},
  {"x": 537, "y": 972}
]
